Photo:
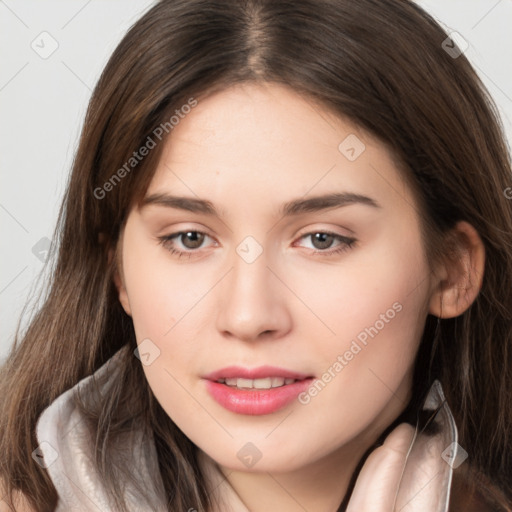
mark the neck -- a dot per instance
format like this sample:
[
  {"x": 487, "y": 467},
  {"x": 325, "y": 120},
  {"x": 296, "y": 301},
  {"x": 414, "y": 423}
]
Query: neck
[{"x": 320, "y": 486}]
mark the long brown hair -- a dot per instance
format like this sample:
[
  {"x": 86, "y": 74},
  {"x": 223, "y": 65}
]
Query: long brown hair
[{"x": 380, "y": 64}]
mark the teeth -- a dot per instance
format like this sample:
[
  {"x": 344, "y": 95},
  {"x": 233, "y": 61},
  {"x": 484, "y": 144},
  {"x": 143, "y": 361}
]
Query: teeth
[{"x": 266, "y": 383}]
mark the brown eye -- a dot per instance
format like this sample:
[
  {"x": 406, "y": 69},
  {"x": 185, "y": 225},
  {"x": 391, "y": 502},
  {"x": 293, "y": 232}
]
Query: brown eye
[
  {"x": 191, "y": 239},
  {"x": 185, "y": 244},
  {"x": 326, "y": 243}
]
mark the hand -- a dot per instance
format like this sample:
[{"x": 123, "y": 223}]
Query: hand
[{"x": 378, "y": 481}]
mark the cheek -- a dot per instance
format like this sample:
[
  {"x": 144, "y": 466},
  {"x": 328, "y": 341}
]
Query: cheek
[
  {"x": 162, "y": 300},
  {"x": 377, "y": 309},
  {"x": 376, "y": 293},
  {"x": 161, "y": 292}
]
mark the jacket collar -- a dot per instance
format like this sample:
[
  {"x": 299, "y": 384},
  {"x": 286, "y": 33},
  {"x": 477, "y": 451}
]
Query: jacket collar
[
  {"x": 65, "y": 442},
  {"x": 433, "y": 454}
]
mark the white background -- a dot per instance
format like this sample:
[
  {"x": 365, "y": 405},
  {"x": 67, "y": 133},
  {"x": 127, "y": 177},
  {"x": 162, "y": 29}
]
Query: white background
[{"x": 43, "y": 102}]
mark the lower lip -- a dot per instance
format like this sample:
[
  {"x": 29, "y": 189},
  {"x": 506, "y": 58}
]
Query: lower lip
[{"x": 256, "y": 401}]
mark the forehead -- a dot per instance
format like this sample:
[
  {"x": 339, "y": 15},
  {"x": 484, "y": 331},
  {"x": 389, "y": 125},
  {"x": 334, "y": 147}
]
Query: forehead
[{"x": 261, "y": 139}]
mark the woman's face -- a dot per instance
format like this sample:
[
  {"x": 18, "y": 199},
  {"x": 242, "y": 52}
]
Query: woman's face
[{"x": 301, "y": 251}]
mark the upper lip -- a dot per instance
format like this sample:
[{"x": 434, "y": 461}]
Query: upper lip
[{"x": 261, "y": 372}]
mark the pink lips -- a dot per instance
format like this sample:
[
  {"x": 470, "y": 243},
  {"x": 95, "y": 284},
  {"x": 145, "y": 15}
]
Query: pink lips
[
  {"x": 255, "y": 401},
  {"x": 254, "y": 373}
]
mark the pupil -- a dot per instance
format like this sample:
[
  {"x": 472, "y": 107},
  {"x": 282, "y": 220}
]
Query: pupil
[{"x": 324, "y": 239}]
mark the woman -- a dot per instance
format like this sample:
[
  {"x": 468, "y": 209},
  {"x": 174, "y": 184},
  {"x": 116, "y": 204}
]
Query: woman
[{"x": 284, "y": 275}]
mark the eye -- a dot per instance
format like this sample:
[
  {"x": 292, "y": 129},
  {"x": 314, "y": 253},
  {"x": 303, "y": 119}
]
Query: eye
[
  {"x": 183, "y": 243},
  {"x": 322, "y": 242},
  {"x": 186, "y": 243}
]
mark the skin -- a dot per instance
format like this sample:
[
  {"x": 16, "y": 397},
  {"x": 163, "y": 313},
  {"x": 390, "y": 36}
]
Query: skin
[{"x": 248, "y": 150}]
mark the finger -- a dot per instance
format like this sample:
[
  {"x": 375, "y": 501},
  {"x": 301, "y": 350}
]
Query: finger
[{"x": 378, "y": 481}]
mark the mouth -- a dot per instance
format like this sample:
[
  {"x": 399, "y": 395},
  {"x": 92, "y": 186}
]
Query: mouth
[{"x": 258, "y": 391}]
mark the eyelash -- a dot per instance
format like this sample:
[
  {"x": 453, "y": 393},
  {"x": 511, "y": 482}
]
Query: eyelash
[{"x": 346, "y": 243}]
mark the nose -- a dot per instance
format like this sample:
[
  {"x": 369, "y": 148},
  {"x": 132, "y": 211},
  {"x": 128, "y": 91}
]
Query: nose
[{"x": 252, "y": 302}]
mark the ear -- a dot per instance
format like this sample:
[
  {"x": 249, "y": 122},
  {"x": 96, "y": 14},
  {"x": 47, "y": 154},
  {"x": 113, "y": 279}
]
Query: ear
[
  {"x": 461, "y": 273},
  {"x": 119, "y": 279}
]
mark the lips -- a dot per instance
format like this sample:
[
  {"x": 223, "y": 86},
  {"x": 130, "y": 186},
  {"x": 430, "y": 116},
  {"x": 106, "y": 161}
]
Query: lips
[
  {"x": 261, "y": 372},
  {"x": 255, "y": 391}
]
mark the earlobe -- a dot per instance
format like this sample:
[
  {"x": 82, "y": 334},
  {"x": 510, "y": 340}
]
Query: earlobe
[{"x": 463, "y": 274}]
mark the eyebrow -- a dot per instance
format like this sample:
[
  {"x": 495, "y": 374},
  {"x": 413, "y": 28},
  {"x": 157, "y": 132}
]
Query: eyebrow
[{"x": 294, "y": 207}]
